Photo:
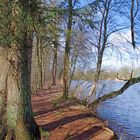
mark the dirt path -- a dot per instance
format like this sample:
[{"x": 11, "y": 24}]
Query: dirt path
[{"x": 67, "y": 121}]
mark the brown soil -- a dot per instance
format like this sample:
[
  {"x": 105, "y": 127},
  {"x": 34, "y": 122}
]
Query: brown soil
[{"x": 68, "y": 120}]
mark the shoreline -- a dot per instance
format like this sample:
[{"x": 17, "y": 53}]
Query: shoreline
[{"x": 68, "y": 119}]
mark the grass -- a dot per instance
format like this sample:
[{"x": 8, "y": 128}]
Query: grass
[
  {"x": 34, "y": 114},
  {"x": 61, "y": 100},
  {"x": 44, "y": 134}
]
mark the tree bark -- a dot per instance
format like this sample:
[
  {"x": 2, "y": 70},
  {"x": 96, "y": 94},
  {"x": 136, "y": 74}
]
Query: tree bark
[
  {"x": 15, "y": 95},
  {"x": 73, "y": 67},
  {"x": 19, "y": 118},
  {"x": 67, "y": 52},
  {"x": 54, "y": 67},
  {"x": 39, "y": 59},
  {"x": 4, "y": 68},
  {"x": 15, "y": 85}
]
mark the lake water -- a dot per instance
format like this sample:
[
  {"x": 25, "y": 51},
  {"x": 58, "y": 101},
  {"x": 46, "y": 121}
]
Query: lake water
[{"x": 122, "y": 112}]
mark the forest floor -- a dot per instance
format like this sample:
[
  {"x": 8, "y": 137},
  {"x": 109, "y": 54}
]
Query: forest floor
[{"x": 68, "y": 120}]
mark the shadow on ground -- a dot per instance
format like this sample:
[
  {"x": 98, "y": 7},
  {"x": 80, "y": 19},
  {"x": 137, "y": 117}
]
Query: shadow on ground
[
  {"x": 59, "y": 123},
  {"x": 87, "y": 135}
]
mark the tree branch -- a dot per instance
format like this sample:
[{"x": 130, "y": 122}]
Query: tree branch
[
  {"x": 131, "y": 75},
  {"x": 132, "y": 25},
  {"x": 114, "y": 94}
]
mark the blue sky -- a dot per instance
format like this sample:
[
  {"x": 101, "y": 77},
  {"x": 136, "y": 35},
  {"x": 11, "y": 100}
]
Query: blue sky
[
  {"x": 84, "y": 2},
  {"x": 126, "y": 56}
]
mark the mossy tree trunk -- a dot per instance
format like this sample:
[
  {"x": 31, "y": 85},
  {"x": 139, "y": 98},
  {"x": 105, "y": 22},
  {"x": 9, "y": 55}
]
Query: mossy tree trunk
[
  {"x": 17, "y": 120},
  {"x": 4, "y": 68},
  {"x": 67, "y": 51},
  {"x": 16, "y": 89},
  {"x": 15, "y": 66}
]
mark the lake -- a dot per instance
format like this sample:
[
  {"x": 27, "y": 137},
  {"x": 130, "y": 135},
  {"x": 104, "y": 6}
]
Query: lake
[{"x": 122, "y": 112}]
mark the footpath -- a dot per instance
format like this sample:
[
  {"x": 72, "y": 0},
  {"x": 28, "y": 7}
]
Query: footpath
[{"x": 67, "y": 120}]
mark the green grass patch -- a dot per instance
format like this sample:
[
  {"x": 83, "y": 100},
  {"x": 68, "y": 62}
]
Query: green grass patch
[
  {"x": 44, "y": 134},
  {"x": 34, "y": 114}
]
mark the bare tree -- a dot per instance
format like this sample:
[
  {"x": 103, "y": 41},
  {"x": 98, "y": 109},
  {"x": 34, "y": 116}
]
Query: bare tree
[
  {"x": 131, "y": 81},
  {"x": 102, "y": 25}
]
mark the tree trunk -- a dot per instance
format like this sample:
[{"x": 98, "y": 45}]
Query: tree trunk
[
  {"x": 67, "y": 52},
  {"x": 15, "y": 76},
  {"x": 54, "y": 67},
  {"x": 132, "y": 24},
  {"x": 97, "y": 76},
  {"x": 101, "y": 48},
  {"x": 4, "y": 68},
  {"x": 39, "y": 59},
  {"x": 74, "y": 66}
]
